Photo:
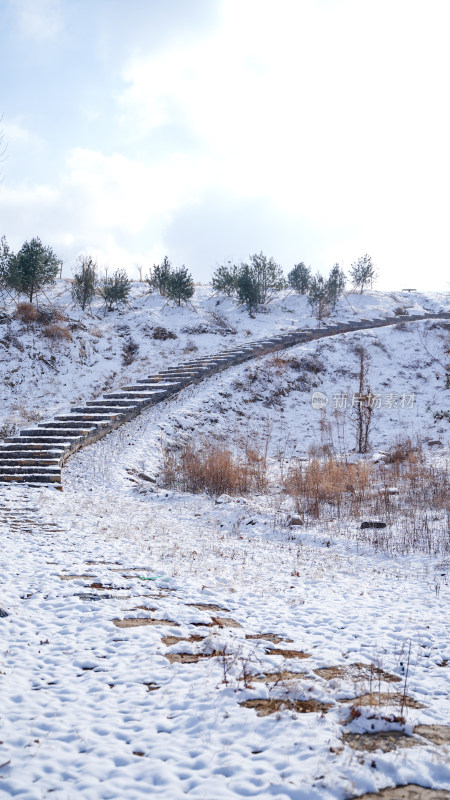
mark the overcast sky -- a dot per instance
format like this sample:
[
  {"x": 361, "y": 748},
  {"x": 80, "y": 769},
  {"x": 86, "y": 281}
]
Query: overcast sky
[{"x": 314, "y": 130}]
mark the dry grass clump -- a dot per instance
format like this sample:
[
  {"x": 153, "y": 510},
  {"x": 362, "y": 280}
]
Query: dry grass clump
[
  {"x": 321, "y": 484},
  {"x": 55, "y": 331},
  {"x": 162, "y": 333},
  {"x": 213, "y": 468},
  {"x": 26, "y": 312},
  {"x": 403, "y": 450}
]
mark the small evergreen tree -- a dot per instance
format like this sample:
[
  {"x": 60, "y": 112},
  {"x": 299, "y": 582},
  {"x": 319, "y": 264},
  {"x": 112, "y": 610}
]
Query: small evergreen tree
[
  {"x": 5, "y": 258},
  {"x": 225, "y": 279},
  {"x": 34, "y": 266},
  {"x": 267, "y": 274},
  {"x": 318, "y": 297},
  {"x": 248, "y": 289},
  {"x": 335, "y": 284},
  {"x": 363, "y": 273},
  {"x": 84, "y": 281},
  {"x": 299, "y": 278},
  {"x": 115, "y": 290},
  {"x": 180, "y": 285},
  {"x": 160, "y": 276}
]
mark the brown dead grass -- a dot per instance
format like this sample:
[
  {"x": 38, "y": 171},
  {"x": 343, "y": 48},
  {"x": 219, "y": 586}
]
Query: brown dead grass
[
  {"x": 207, "y": 607},
  {"x": 272, "y": 705},
  {"x": 57, "y": 332},
  {"x": 170, "y": 640},
  {"x": 438, "y": 734},
  {"x": 139, "y": 622},
  {"x": 410, "y": 791},
  {"x": 287, "y": 653},
  {"x": 210, "y": 467},
  {"x": 269, "y": 637},
  {"x": 277, "y": 677},
  {"x": 357, "y": 672},
  {"x": 386, "y": 741},
  {"x": 385, "y": 699}
]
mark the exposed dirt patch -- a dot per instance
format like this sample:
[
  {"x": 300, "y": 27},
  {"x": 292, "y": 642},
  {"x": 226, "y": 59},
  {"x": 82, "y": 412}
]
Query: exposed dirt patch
[
  {"x": 271, "y": 705},
  {"x": 207, "y": 607},
  {"x": 382, "y": 740},
  {"x": 151, "y": 687},
  {"x": 221, "y": 622},
  {"x": 170, "y": 640},
  {"x": 269, "y": 637},
  {"x": 274, "y": 651},
  {"x": 143, "y": 608},
  {"x": 75, "y": 577},
  {"x": 109, "y": 588},
  {"x": 138, "y": 622},
  {"x": 409, "y": 792},
  {"x": 190, "y": 658},
  {"x": 438, "y": 734},
  {"x": 385, "y": 699},
  {"x": 358, "y": 671},
  {"x": 277, "y": 677}
]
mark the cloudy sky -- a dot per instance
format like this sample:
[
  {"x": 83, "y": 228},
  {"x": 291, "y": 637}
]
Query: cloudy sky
[{"x": 314, "y": 130}]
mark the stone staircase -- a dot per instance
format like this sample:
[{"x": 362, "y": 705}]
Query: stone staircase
[{"x": 37, "y": 455}]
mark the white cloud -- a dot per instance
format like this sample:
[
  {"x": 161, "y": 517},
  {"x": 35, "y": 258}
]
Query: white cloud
[{"x": 334, "y": 112}]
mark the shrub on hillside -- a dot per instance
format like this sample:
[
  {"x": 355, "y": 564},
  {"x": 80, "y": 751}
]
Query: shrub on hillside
[
  {"x": 85, "y": 281},
  {"x": 115, "y": 290}
]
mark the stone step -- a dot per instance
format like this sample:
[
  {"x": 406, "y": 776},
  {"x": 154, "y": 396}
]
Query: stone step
[
  {"x": 144, "y": 386},
  {"x": 36, "y": 478},
  {"x": 75, "y": 425},
  {"x": 139, "y": 395},
  {"x": 39, "y": 440},
  {"x": 17, "y": 469},
  {"x": 37, "y": 447},
  {"x": 152, "y": 381},
  {"x": 18, "y": 458},
  {"x": 123, "y": 405},
  {"x": 106, "y": 417}
]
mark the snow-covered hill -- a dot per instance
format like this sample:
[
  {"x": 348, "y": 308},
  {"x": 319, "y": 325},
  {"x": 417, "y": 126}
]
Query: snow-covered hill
[{"x": 174, "y": 644}]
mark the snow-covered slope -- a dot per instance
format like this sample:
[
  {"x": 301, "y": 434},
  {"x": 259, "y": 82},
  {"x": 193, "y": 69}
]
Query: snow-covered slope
[{"x": 233, "y": 611}]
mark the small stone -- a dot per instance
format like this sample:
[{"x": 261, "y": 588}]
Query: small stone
[
  {"x": 3, "y": 613},
  {"x": 295, "y": 520},
  {"x": 365, "y": 525}
]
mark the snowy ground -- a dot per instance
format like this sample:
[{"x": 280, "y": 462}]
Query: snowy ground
[{"x": 91, "y": 708}]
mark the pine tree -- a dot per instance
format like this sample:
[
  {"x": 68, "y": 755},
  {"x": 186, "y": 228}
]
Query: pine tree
[
  {"x": 248, "y": 289},
  {"x": 225, "y": 279},
  {"x": 115, "y": 290},
  {"x": 34, "y": 267},
  {"x": 160, "y": 276},
  {"x": 180, "y": 285},
  {"x": 299, "y": 278},
  {"x": 363, "y": 273},
  {"x": 5, "y": 258},
  {"x": 318, "y": 297},
  {"x": 84, "y": 281},
  {"x": 267, "y": 274},
  {"x": 335, "y": 284}
]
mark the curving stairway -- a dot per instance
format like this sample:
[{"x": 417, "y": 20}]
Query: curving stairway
[{"x": 37, "y": 455}]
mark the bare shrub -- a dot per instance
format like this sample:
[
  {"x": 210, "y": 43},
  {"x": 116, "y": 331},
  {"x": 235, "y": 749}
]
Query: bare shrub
[
  {"x": 130, "y": 350},
  {"x": 162, "y": 333},
  {"x": 26, "y": 312},
  {"x": 403, "y": 450},
  {"x": 319, "y": 485},
  {"x": 55, "y": 331},
  {"x": 212, "y": 468}
]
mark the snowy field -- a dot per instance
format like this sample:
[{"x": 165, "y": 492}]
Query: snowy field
[{"x": 161, "y": 643}]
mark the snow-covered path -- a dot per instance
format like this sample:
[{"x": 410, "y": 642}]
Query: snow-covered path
[{"x": 78, "y": 718}]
